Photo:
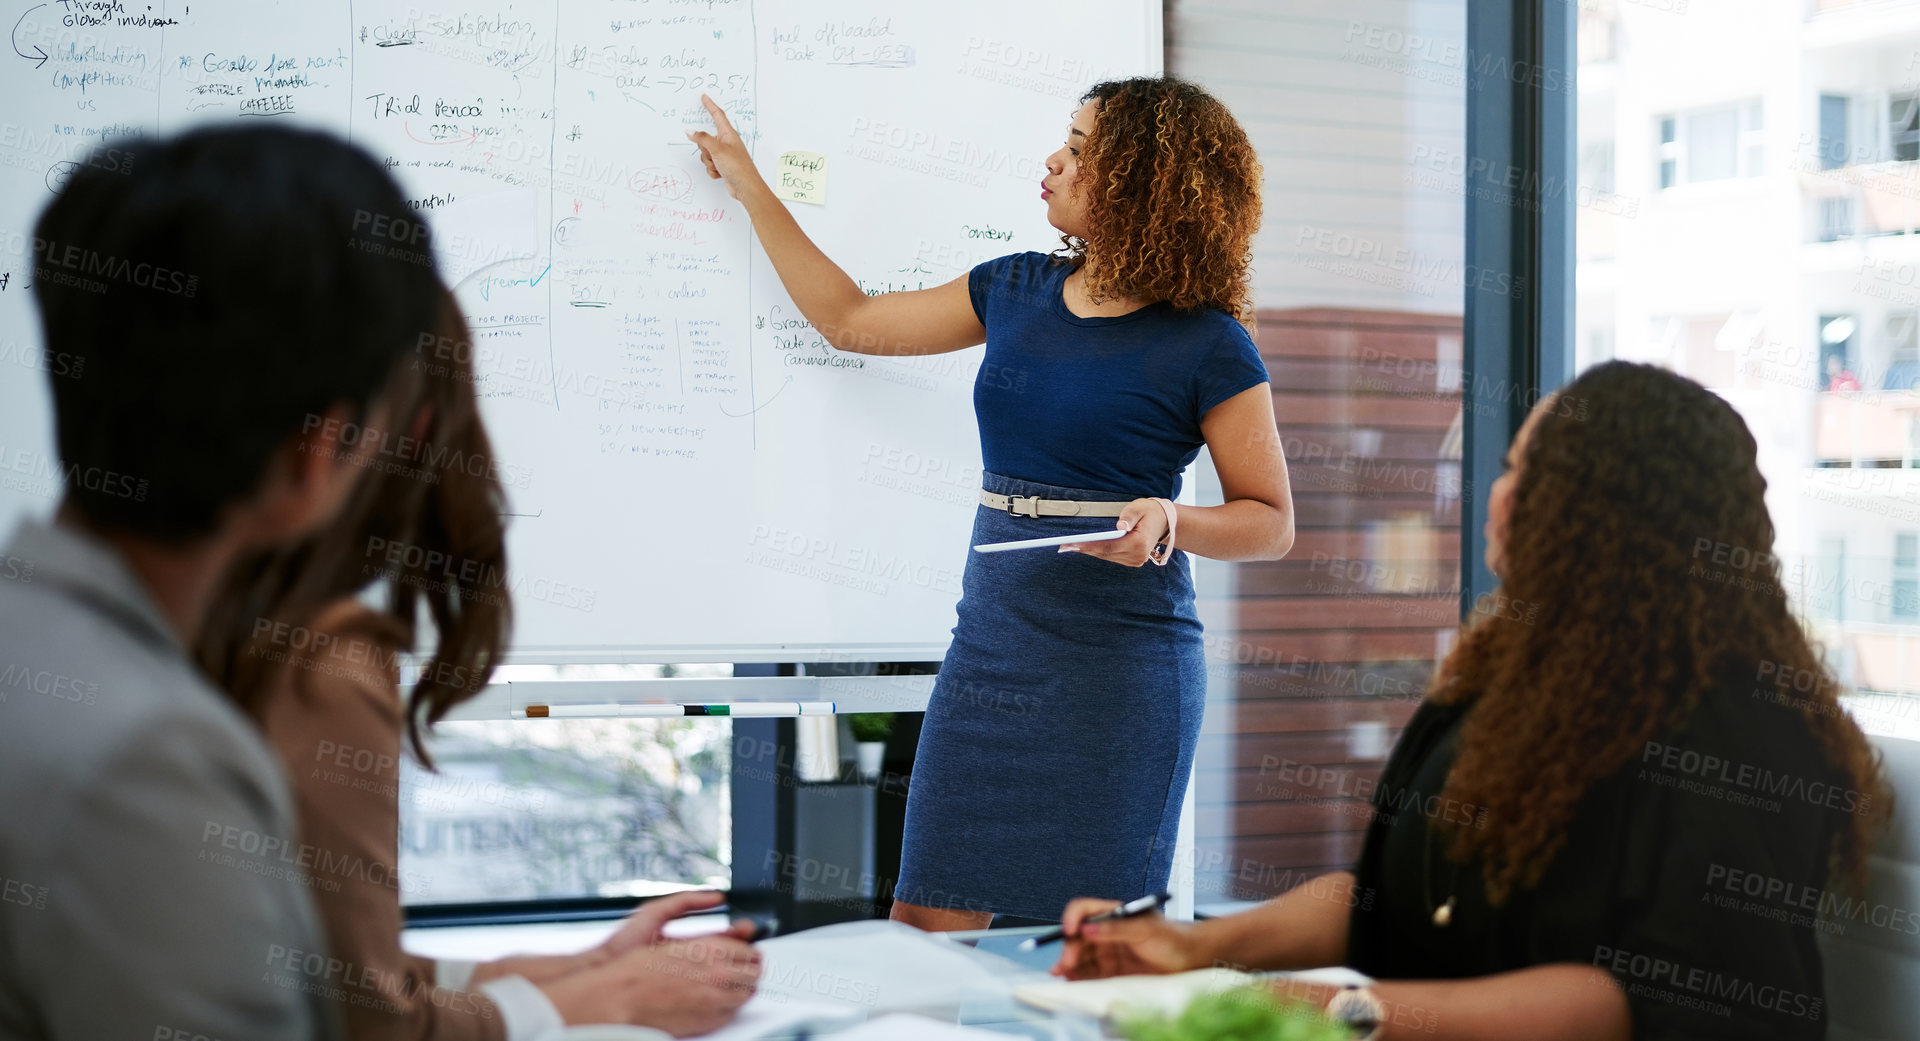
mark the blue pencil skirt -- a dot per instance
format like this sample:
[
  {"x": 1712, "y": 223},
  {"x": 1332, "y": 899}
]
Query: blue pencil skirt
[{"x": 1060, "y": 733}]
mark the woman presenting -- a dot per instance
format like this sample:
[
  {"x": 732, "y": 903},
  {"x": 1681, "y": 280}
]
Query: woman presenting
[{"x": 1059, "y": 735}]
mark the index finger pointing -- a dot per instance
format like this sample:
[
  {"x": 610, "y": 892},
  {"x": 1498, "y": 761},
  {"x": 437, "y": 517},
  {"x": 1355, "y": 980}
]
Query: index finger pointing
[{"x": 719, "y": 115}]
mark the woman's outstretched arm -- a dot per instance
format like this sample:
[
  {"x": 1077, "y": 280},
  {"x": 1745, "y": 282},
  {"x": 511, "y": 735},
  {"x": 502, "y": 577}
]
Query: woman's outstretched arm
[
  {"x": 925, "y": 321},
  {"x": 1306, "y": 927}
]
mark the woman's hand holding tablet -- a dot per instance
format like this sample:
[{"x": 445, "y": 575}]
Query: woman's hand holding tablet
[{"x": 1056, "y": 540}]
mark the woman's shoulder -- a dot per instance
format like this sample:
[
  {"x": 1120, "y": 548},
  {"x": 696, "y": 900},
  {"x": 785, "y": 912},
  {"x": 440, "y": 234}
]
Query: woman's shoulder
[
  {"x": 338, "y": 686},
  {"x": 1015, "y": 282},
  {"x": 1208, "y": 332},
  {"x": 1424, "y": 735},
  {"x": 1740, "y": 717},
  {"x": 1222, "y": 327},
  {"x": 353, "y": 652},
  {"x": 1033, "y": 258},
  {"x": 1737, "y": 770},
  {"x": 351, "y": 614}
]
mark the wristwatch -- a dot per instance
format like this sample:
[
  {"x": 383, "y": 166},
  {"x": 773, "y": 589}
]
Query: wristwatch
[{"x": 1361, "y": 1010}]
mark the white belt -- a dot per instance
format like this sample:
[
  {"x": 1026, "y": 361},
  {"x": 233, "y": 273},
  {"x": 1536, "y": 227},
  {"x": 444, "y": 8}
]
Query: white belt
[{"x": 1033, "y": 506}]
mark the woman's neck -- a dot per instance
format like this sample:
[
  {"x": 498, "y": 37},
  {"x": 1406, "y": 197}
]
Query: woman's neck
[{"x": 1085, "y": 305}]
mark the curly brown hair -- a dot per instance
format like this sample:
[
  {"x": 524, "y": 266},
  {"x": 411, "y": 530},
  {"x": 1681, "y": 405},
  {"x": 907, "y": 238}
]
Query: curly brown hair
[
  {"x": 1626, "y": 472},
  {"x": 1173, "y": 198}
]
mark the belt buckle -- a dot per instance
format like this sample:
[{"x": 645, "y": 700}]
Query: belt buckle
[{"x": 1032, "y": 506}]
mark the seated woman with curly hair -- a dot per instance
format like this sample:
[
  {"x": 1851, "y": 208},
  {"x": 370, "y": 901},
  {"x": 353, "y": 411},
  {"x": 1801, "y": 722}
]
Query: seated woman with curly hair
[{"x": 1600, "y": 823}]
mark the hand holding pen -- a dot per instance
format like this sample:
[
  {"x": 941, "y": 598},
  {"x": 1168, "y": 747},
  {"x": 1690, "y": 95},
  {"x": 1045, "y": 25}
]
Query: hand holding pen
[
  {"x": 1102, "y": 942},
  {"x": 1130, "y": 909}
]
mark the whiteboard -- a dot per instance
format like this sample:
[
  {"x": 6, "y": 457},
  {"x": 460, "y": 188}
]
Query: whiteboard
[{"x": 693, "y": 473}]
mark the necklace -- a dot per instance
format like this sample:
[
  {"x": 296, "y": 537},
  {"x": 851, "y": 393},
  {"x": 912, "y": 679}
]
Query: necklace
[{"x": 1442, "y": 914}]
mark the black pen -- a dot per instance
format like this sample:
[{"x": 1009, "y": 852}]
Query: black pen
[{"x": 1127, "y": 910}]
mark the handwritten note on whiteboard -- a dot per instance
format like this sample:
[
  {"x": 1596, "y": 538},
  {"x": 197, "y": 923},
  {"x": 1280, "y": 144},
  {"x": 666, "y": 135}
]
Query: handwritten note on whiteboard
[{"x": 802, "y": 177}]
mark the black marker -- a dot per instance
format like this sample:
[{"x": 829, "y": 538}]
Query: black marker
[{"x": 1144, "y": 905}]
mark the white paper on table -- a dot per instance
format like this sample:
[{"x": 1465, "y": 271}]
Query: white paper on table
[
  {"x": 761, "y": 1017},
  {"x": 877, "y": 967},
  {"x": 768, "y": 1016},
  {"x": 901, "y": 1026}
]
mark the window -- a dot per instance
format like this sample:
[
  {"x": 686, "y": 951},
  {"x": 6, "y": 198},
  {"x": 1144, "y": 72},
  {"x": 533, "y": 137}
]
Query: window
[
  {"x": 1597, "y": 346},
  {"x": 1834, "y": 142},
  {"x": 526, "y": 810},
  {"x": 1899, "y": 353},
  {"x": 1596, "y": 31},
  {"x": 1906, "y": 576},
  {"x": 1820, "y": 584},
  {"x": 1906, "y": 598},
  {"x": 1596, "y": 166},
  {"x": 1836, "y": 351},
  {"x": 1902, "y": 336},
  {"x": 568, "y": 808},
  {"x": 1903, "y": 125},
  {"x": 1712, "y": 144},
  {"x": 1669, "y": 153}
]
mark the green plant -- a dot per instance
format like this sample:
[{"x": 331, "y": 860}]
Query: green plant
[
  {"x": 1242, "y": 1014},
  {"x": 871, "y": 726}
]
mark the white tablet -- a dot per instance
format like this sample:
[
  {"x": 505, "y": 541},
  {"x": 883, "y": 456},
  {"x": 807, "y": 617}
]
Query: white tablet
[{"x": 1057, "y": 540}]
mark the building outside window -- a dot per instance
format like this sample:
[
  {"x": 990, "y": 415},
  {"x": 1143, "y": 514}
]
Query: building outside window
[{"x": 1797, "y": 234}]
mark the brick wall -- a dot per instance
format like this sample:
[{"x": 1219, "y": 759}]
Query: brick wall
[{"x": 1320, "y": 658}]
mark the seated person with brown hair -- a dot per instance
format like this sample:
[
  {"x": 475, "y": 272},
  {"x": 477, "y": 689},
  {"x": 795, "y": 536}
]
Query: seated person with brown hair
[
  {"x": 1562, "y": 833},
  {"x": 348, "y": 697}
]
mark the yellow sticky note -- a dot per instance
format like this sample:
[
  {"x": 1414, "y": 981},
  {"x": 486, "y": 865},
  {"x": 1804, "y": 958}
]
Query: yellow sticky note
[{"x": 802, "y": 177}]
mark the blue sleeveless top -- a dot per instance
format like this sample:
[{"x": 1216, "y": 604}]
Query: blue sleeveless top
[{"x": 1102, "y": 403}]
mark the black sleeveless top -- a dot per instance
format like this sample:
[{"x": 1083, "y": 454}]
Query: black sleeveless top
[{"x": 1694, "y": 874}]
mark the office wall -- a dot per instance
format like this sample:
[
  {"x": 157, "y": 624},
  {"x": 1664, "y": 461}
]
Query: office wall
[{"x": 1358, "y": 112}]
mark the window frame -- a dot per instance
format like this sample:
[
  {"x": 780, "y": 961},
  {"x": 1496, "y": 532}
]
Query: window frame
[{"x": 1518, "y": 345}]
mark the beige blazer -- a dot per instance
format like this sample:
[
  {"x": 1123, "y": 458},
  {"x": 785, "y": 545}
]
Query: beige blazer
[{"x": 336, "y": 718}]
